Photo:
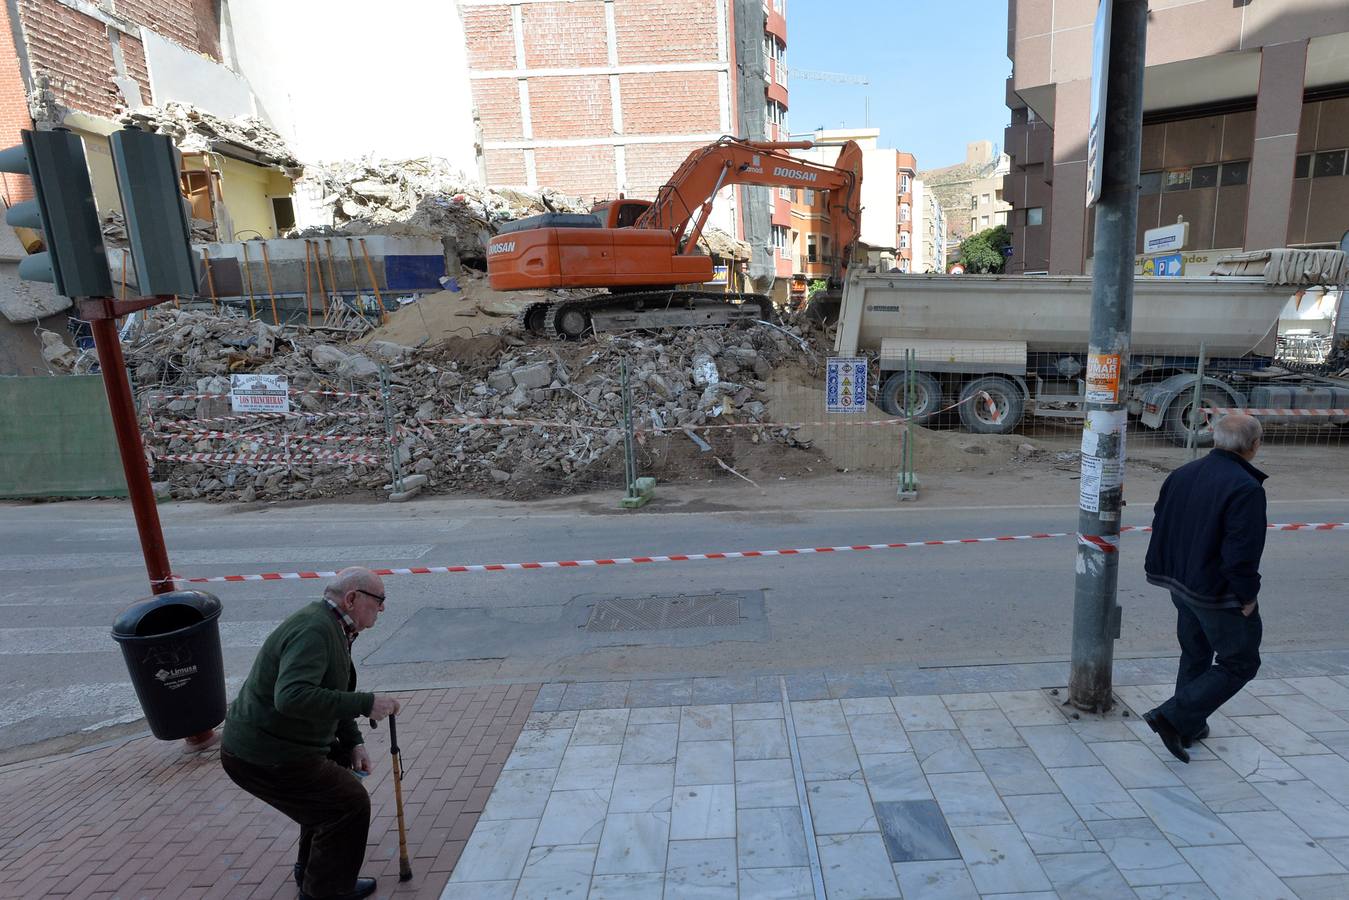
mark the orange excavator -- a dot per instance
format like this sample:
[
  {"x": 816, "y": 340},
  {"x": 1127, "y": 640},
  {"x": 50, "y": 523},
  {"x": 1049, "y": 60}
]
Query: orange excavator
[{"x": 645, "y": 253}]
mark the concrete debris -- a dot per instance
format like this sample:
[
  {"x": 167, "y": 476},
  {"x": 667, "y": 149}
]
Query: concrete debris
[
  {"x": 196, "y": 130},
  {"x": 114, "y": 230},
  {"x": 56, "y": 352},
  {"x": 679, "y": 379}
]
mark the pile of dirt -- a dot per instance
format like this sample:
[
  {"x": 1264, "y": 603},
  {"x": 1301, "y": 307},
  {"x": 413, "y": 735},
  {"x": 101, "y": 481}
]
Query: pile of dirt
[{"x": 467, "y": 307}]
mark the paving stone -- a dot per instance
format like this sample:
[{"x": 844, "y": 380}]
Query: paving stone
[
  {"x": 573, "y": 817},
  {"x": 641, "y": 886},
  {"x": 1085, "y": 876},
  {"x": 760, "y": 739},
  {"x": 811, "y": 718},
  {"x": 1056, "y": 746},
  {"x": 703, "y": 811},
  {"x": 1280, "y": 735},
  {"x": 599, "y": 726},
  {"x": 588, "y": 768},
  {"x": 752, "y": 711},
  {"x": 1335, "y": 740},
  {"x": 560, "y": 719},
  {"x": 1141, "y": 852},
  {"x": 866, "y": 706},
  {"x": 705, "y": 723},
  {"x": 707, "y": 691},
  {"x": 878, "y": 733},
  {"x": 560, "y": 871},
  {"x": 1252, "y": 760},
  {"x": 855, "y": 867},
  {"x": 1015, "y": 770},
  {"x": 968, "y": 798},
  {"x": 705, "y": 762},
  {"x": 701, "y": 869},
  {"x": 1329, "y": 773},
  {"x": 1134, "y": 765},
  {"x": 923, "y": 714},
  {"x": 659, "y": 693},
  {"x": 970, "y": 700},
  {"x": 1319, "y": 887},
  {"x": 539, "y": 749},
  {"x": 943, "y": 751},
  {"x": 1196, "y": 890},
  {"x": 1234, "y": 872},
  {"x": 480, "y": 890},
  {"x": 520, "y": 794},
  {"x": 1182, "y": 816},
  {"x": 800, "y": 687},
  {"x": 1050, "y": 824},
  {"x": 828, "y": 757},
  {"x": 874, "y": 684},
  {"x": 943, "y": 879},
  {"x": 1262, "y": 687},
  {"x": 1095, "y": 793},
  {"x": 1309, "y": 806},
  {"x": 497, "y": 851},
  {"x": 915, "y": 830},
  {"x": 1281, "y": 845},
  {"x": 985, "y": 729},
  {"x": 769, "y": 838},
  {"x": 642, "y": 788},
  {"x": 840, "y": 807},
  {"x": 1246, "y": 704},
  {"x": 632, "y": 843},
  {"x": 1324, "y": 690},
  {"x": 894, "y": 776},
  {"x": 999, "y": 860},
  {"x": 1306, "y": 713},
  {"x": 787, "y": 883},
  {"x": 653, "y": 744},
  {"x": 654, "y": 715},
  {"x": 764, "y": 782},
  {"x": 1028, "y": 708},
  {"x": 595, "y": 695},
  {"x": 1221, "y": 789}
]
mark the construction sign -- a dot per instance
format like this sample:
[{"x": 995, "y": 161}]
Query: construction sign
[
  {"x": 845, "y": 385},
  {"x": 259, "y": 393}
]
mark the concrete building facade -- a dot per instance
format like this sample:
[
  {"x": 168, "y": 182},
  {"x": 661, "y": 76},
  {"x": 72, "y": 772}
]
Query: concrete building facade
[
  {"x": 929, "y": 236},
  {"x": 1245, "y": 126},
  {"x": 971, "y": 192}
]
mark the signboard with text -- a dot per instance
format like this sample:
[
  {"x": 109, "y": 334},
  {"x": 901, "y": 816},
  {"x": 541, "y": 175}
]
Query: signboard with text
[
  {"x": 845, "y": 385},
  {"x": 259, "y": 393}
]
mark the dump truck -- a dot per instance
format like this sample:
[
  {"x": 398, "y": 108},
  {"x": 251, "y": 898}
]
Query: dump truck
[
  {"x": 641, "y": 256},
  {"x": 1007, "y": 347}
]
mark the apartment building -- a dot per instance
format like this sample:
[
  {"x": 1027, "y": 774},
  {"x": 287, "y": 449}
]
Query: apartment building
[
  {"x": 1245, "y": 127},
  {"x": 929, "y": 235},
  {"x": 971, "y": 192}
]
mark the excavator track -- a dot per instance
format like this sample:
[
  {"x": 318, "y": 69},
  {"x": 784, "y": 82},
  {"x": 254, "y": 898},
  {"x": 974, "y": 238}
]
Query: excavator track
[{"x": 642, "y": 310}]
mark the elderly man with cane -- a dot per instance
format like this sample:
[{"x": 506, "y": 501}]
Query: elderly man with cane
[
  {"x": 291, "y": 738},
  {"x": 1208, "y": 534}
]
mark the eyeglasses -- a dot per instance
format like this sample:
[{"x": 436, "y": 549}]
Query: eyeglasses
[{"x": 378, "y": 598}]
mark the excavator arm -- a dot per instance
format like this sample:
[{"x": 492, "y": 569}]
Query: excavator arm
[{"x": 686, "y": 199}]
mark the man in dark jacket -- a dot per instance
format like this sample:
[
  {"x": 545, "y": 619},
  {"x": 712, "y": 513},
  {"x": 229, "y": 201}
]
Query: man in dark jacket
[
  {"x": 1207, "y": 538},
  {"x": 291, "y": 738}
]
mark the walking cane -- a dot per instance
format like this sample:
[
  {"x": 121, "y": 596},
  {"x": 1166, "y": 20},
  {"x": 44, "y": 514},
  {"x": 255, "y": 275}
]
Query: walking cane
[{"x": 404, "y": 867}]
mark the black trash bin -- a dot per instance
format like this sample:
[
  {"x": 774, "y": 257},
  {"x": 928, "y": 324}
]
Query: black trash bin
[{"x": 171, "y": 644}]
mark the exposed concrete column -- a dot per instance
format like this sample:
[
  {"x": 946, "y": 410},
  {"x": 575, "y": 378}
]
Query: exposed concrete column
[
  {"x": 1068, "y": 214},
  {"x": 1278, "y": 110}
]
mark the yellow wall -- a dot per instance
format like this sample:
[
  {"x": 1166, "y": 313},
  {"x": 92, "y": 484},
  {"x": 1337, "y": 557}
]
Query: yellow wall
[
  {"x": 102, "y": 175},
  {"x": 248, "y": 191}
]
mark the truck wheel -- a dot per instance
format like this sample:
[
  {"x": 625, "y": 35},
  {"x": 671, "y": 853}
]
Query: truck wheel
[
  {"x": 1182, "y": 418},
  {"x": 991, "y": 405},
  {"x": 924, "y": 397}
]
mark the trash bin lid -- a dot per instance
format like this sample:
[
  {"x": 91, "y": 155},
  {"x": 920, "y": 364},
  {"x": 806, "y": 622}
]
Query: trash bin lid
[{"x": 166, "y": 613}]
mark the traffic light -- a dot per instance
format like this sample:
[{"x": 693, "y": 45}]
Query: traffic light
[
  {"x": 64, "y": 212},
  {"x": 156, "y": 212}
]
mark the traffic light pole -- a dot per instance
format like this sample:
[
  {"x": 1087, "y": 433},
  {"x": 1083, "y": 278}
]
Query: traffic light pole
[{"x": 102, "y": 321}]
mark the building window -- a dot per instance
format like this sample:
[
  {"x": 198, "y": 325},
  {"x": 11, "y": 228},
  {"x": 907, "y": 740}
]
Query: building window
[
  {"x": 787, "y": 193},
  {"x": 809, "y": 197},
  {"x": 1035, "y": 215},
  {"x": 812, "y": 252},
  {"x": 1235, "y": 173},
  {"x": 983, "y": 201},
  {"x": 1203, "y": 177},
  {"x": 904, "y": 212},
  {"x": 1150, "y": 183},
  {"x": 903, "y": 240},
  {"x": 1176, "y": 180},
  {"x": 1328, "y": 164},
  {"x": 904, "y": 184},
  {"x": 780, "y": 243},
  {"x": 1302, "y": 166},
  {"x": 974, "y": 225},
  {"x": 904, "y": 266},
  {"x": 974, "y": 201}
]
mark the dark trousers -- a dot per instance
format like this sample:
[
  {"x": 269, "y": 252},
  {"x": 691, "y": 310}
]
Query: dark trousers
[
  {"x": 1204, "y": 683},
  {"x": 331, "y": 806}
]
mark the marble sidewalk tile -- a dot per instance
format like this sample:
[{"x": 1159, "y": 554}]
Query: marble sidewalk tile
[
  {"x": 1015, "y": 770},
  {"x": 840, "y": 807},
  {"x": 642, "y": 788},
  {"x": 633, "y": 842},
  {"x": 1252, "y": 760},
  {"x": 1141, "y": 852},
  {"x": 770, "y": 838},
  {"x": 599, "y": 726},
  {"x": 1306, "y": 713},
  {"x": 1134, "y": 765},
  {"x": 915, "y": 830},
  {"x": 1328, "y": 772},
  {"x": 496, "y": 851},
  {"x": 702, "y": 812},
  {"x": 641, "y": 886},
  {"x": 705, "y": 723},
  {"x": 1095, "y": 793},
  {"x": 588, "y": 768},
  {"x": 725, "y": 689},
  {"x": 539, "y": 749},
  {"x": 595, "y": 695},
  {"x": 650, "y": 744},
  {"x": 653, "y": 715},
  {"x": 705, "y": 762},
  {"x": 878, "y": 733},
  {"x": 1085, "y": 876},
  {"x": 1221, "y": 789},
  {"x": 855, "y": 867},
  {"x": 762, "y": 783},
  {"x": 812, "y": 718},
  {"x": 923, "y": 713},
  {"x": 660, "y": 693},
  {"x": 782, "y": 883},
  {"x": 1281, "y": 845},
  {"x": 749, "y": 711},
  {"x": 558, "y": 871},
  {"x": 702, "y": 869},
  {"x": 1325, "y": 690},
  {"x": 760, "y": 739},
  {"x": 1057, "y": 747},
  {"x": 542, "y": 720},
  {"x": 573, "y": 817},
  {"x": 1335, "y": 740},
  {"x": 1319, "y": 887},
  {"x": 985, "y": 729},
  {"x": 1281, "y": 735},
  {"x": 894, "y": 776},
  {"x": 1247, "y": 704},
  {"x": 480, "y": 890},
  {"x": 999, "y": 859},
  {"x": 1338, "y": 848},
  {"x": 828, "y": 757},
  {"x": 1310, "y": 807},
  {"x": 1235, "y": 873},
  {"x": 969, "y": 700},
  {"x": 1028, "y": 708},
  {"x": 1263, "y": 687},
  {"x": 1093, "y": 730},
  {"x": 943, "y": 751},
  {"x": 968, "y": 798},
  {"x": 866, "y": 706},
  {"x": 519, "y": 794},
  {"x": 1050, "y": 824},
  {"x": 862, "y": 684},
  {"x": 1195, "y": 890},
  {"x": 943, "y": 879},
  {"x": 1182, "y": 816}
]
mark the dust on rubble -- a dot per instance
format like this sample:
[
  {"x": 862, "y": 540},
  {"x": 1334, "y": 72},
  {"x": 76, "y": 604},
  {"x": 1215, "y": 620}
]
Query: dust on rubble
[{"x": 467, "y": 308}]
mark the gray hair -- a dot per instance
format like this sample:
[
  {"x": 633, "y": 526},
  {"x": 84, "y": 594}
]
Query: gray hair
[
  {"x": 353, "y": 578},
  {"x": 1237, "y": 432}
]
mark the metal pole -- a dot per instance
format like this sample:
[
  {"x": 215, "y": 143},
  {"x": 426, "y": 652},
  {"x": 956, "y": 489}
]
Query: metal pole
[
  {"x": 129, "y": 447},
  {"x": 629, "y": 451},
  {"x": 1196, "y": 408},
  {"x": 1096, "y": 614}
]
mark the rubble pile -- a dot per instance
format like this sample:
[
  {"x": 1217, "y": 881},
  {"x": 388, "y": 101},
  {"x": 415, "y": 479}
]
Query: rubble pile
[
  {"x": 678, "y": 379},
  {"x": 196, "y": 130},
  {"x": 115, "y": 234}
]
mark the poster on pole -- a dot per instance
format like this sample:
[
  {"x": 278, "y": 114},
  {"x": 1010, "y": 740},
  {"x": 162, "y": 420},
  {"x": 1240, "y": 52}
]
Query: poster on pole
[
  {"x": 259, "y": 393},
  {"x": 1100, "y": 80},
  {"x": 845, "y": 385}
]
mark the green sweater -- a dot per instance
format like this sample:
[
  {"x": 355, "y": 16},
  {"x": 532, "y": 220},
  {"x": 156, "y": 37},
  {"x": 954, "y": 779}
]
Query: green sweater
[{"x": 300, "y": 697}]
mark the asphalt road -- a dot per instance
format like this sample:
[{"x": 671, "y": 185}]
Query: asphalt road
[{"x": 67, "y": 569}]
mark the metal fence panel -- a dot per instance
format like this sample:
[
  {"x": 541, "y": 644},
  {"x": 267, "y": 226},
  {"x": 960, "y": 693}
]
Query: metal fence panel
[{"x": 56, "y": 438}]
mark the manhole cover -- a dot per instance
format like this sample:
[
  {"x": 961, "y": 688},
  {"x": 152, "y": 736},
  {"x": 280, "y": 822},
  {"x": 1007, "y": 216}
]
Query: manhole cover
[{"x": 659, "y": 613}]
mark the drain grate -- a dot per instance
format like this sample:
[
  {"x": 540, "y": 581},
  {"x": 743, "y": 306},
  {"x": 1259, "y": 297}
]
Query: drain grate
[{"x": 661, "y": 613}]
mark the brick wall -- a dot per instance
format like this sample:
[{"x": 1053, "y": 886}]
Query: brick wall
[
  {"x": 490, "y": 37},
  {"x": 665, "y": 31},
  {"x": 177, "y": 20},
  {"x": 498, "y": 101},
  {"x": 73, "y": 51},
  {"x": 13, "y": 110},
  {"x": 571, "y": 107},
  {"x": 650, "y": 165},
  {"x": 585, "y": 172},
  {"x": 670, "y": 102},
  {"x": 564, "y": 35},
  {"x": 506, "y": 167}
]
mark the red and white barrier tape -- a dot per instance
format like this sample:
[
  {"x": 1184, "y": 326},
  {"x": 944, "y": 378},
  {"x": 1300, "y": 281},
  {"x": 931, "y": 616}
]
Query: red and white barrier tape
[
  {"x": 309, "y": 456},
  {"x": 268, "y": 437},
  {"x": 476, "y": 420},
  {"x": 699, "y": 557},
  {"x": 292, "y": 393},
  {"x": 255, "y": 417},
  {"x": 1261, "y": 411}
]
